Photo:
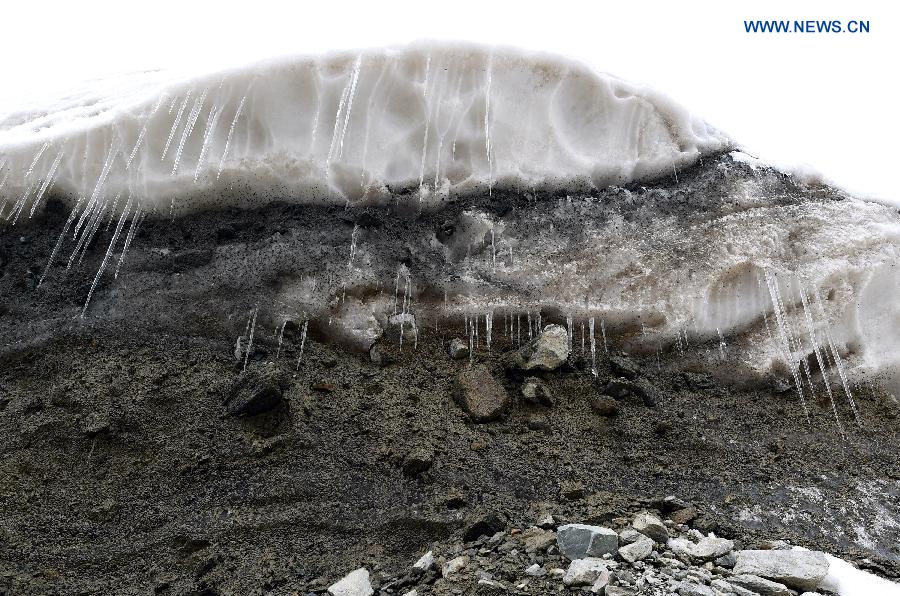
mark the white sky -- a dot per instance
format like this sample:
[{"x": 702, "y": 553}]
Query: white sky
[{"x": 822, "y": 99}]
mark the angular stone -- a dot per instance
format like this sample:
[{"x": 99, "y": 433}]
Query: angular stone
[
  {"x": 538, "y": 540},
  {"x": 425, "y": 562},
  {"x": 479, "y": 394},
  {"x": 577, "y": 541},
  {"x": 584, "y": 572},
  {"x": 759, "y": 585},
  {"x": 535, "y": 570},
  {"x": 454, "y": 566},
  {"x": 256, "y": 391},
  {"x": 651, "y": 526},
  {"x": 637, "y": 550},
  {"x": 629, "y": 535},
  {"x": 355, "y": 583},
  {"x": 726, "y": 588},
  {"x": 689, "y": 588},
  {"x": 710, "y": 547},
  {"x": 547, "y": 352},
  {"x": 683, "y": 516},
  {"x": 800, "y": 569}
]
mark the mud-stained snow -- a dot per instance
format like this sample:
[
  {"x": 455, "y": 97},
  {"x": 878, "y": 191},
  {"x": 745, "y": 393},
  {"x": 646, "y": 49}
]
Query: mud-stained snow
[{"x": 346, "y": 126}]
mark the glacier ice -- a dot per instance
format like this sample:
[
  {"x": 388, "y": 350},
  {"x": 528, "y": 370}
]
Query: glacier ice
[{"x": 443, "y": 119}]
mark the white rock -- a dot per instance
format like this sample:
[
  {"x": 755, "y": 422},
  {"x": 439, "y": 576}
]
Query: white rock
[
  {"x": 800, "y": 569},
  {"x": 355, "y": 583},
  {"x": 637, "y": 550},
  {"x": 425, "y": 562},
  {"x": 577, "y": 541},
  {"x": 535, "y": 570},
  {"x": 454, "y": 565},
  {"x": 584, "y": 572}
]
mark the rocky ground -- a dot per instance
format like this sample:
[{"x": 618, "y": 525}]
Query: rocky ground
[{"x": 138, "y": 455}]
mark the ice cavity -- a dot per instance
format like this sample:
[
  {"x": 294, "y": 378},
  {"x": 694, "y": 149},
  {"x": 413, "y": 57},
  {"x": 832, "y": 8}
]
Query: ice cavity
[{"x": 347, "y": 127}]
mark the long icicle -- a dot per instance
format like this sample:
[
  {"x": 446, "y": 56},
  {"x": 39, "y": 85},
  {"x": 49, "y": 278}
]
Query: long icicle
[{"x": 109, "y": 249}]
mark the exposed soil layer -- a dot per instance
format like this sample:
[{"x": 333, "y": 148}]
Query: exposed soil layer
[{"x": 123, "y": 472}]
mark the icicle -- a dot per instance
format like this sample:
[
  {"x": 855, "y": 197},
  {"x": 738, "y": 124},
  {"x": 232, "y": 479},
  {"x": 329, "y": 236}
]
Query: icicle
[
  {"x": 603, "y": 332},
  {"x": 135, "y": 222},
  {"x": 493, "y": 251},
  {"x": 250, "y": 340},
  {"x": 529, "y": 325},
  {"x": 721, "y": 344},
  {"x": 488, "y": 327},
  {"x": 212, "y": 121},
  {"x": 237, "y": 114},
  {"x": 37, "y": 157},
  {"x": 178, "y": 116},
  {"x": 59, "y": 241},
  {"x": 593, "y": 347},
  {"x": 780, "y": 315},
  {"x": 280, "y": 338},
  {"x": 48, "y": 182},
  {"x": 112, "y": 243},
  {"x": 487, "y": 130},
  {"x": 582, "y": 339},
  {"x": 810, "y": 328},
  {"x": 837, "y": 358},
  {"x": 569, "y": 331},
  {"x": 302, "y": 342}
]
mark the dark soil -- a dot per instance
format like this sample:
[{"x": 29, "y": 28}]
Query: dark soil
[{"x": 123, "y": 472}]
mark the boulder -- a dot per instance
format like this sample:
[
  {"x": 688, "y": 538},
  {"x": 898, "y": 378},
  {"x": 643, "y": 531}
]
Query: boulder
[
  {"x": 800, "y": 569},
  {"x": 758, "y": 585},
  {"x": 256, "y": 391},
  {"x": 728, "y": 588},
  {"x": 548, "y": 351},
  {"x": 651, "y": 526},
  {"x": 637, "y": 550},
  {"x": 585, "y": 572},
  {"x": 479, "y": 394},
  {"x": 355, "y": 583},
  {"x": 710, "y": 547},
  {"x": 577, "y": 541}
]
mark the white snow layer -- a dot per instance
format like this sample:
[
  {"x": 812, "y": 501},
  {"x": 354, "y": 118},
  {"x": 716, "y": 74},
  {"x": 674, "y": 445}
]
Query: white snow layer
[
  {"x": 344, "y": 127},
  {"x": 846, "y": 580}
]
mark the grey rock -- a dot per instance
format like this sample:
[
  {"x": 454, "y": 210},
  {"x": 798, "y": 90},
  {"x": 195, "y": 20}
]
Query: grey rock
[
  {"x": 458, "y": 349},
  {"x": 727, "y": 560},
  {"x": 546, "y": 352},
  {"x": 620, "y": 591},
  {"x": 629, "y": 535},
  {"x": 584, "y": 572},
  {"x": 688, "y": 588},
  {"x": 256, "y": 391},
  {"x": 577, "y": 541},
  {"x": 727, "y": 588},
  {"x": 637, "y": 550},
  {"x": 759, "y": 585},
  {"x": 355, "y": 583},
  {"x": 651, "y": 526},
  {"x": 710, "y": 547},
  {"x": 479, "y": 394},
  {"x": 536, "y": 391},
  {"x": 800, "y": 569}
]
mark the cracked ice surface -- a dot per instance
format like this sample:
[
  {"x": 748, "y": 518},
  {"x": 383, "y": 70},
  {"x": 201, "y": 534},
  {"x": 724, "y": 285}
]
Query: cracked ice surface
[{"x": 342, "y": 127}]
